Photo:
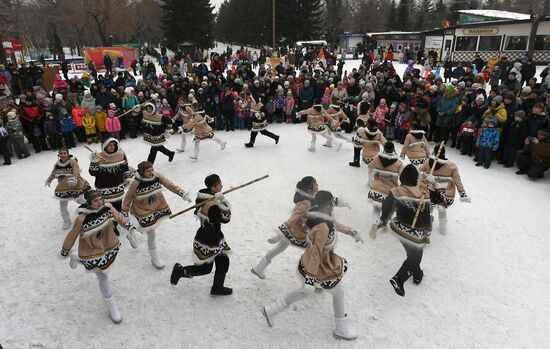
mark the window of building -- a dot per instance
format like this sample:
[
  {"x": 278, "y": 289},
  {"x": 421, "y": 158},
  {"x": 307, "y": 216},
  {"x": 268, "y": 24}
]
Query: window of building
[
  {"x": 542, "y": 42},
  {"x": 466, "y": 43},
  {"x": 489, "y": 43},
  {"x": 516, "y": 43}
]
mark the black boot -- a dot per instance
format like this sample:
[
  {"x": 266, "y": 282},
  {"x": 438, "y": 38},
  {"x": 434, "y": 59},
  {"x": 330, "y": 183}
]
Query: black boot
[
  {"x": 417, "y": 276},
  {"x": 249, "y": 145},
  {"x": 217, "y": 288},
  {"x": 399, "y": 279},
  {"x": 397, "y": 286},
  {"x": 355, "y": 163},
  {"x": 171, "y": 156},
  {"x": 179, "y": 272},
  {"x": 356, "y": 156}
]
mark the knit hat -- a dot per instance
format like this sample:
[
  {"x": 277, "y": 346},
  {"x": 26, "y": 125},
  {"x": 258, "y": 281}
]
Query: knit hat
[
  {"x": 498, "y": 99},
  {"x": 389, "y": 148},
  {"x": 393, "y": 105},
  {"x": 98, "y": 107},
  {"x": 143, "y": 166},
  {"x": 212, "y": 180},
  {"x": 112, "y": 106},
  {"x": 87, "y": 92},
  {"x": 433, "y": 88},
  {"x": 306, "y": 183},
  {"x": 91, "y": 195},
  {"x": 128, "y": 90},
  {"x": 544, "y": 133},
  {"x": 461, "y": 84},
  {"x": 491, "y": 121},
  {"x": 520, "y": 114},
  {"x": 12, "y": 115},
  {"x": 365, "y": 95},
  {"x": 526, "y": 90},
  {"x": 510, "y": 96},
  {"x": 323, "y": 198},
  {"x": 140, "y": 94},
  {"x": 58, "y": 96},
  {"x": 480, "y": 97},
  {"x": 409, "y": 176},
  {"x": 449, "y": 89},
  {"x": 382, "y": 101}
]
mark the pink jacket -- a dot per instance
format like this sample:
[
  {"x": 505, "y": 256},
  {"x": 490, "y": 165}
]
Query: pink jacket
[
  {"x": 380, "y": 115},
  {"x": 112, "y": 124},
  {"x": 289, "y": 105}
]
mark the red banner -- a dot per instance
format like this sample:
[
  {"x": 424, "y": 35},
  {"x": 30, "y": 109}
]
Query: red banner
[
  {"x": 11, "y": 46},
  {"x": 96, "y": 55}
]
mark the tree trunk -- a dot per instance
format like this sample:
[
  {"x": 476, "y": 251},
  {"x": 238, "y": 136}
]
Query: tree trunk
[{"x": 532, "y": 35}]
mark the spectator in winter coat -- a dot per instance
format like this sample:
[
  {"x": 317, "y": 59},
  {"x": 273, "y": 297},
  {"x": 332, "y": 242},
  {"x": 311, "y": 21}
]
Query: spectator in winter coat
[
  {"x": 528, "y": 71},
  {"x": 517, "y": 69},
  {"x": 289, "y": 106},
  {"x": 446, "y": 108},
  {"x": 15, "y": 131},
  {"x": 100, "y": 122},
  {"x": 535, "y": 157},
  {"x": 67, "y": 127},
  {"x": 403, "y": 122},
  {"x": 514, "y": 138},
  {"x": 466, "y": 135},
  {"x": 104, "y": 97},
  {"x": 88, "y": 122},
  {"x": 488, "y": 142},
  {"x": 479, "y": 107},
  {"x": 113, "y": 125},
  {"x": 306, "y": 96},
  {"x": 339, "y": 93},
  {"x": 458, "y": 72},
  {"x": 497, "y": 111},
  {"x": 536, "y": 120},
  {"x": 380, "y": 114},
  {"x": 88, "y": 102},
  {"x": 512, "y": 83}
]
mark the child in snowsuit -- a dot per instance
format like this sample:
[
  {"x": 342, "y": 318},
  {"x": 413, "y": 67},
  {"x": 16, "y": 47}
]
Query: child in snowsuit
[
  {"x": 240, "y": 112},
  {"x": 100, "y": 120},
  {"x": 88, "y": 121},
  {"x": 113, "y": 125},
  {"x": 403, "y": 122},
  {"x": 380, "y": 114},
  {"x": 466, "y": 135},
  {"x": 289, "y": 106},
  {"x": 15, "y": 130},
  {"x": 488, "y": 143},
  {"x": 51, "y": 130},
  {"x": 67, "y": 127}
]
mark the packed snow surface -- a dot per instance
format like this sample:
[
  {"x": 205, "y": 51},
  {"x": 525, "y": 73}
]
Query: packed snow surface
[{"x": 485, "y": 283}]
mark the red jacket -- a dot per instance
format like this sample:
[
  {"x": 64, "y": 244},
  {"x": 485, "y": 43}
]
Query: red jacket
[
  {"x": 30, "y": 112},
  {"x": 77, "y": 116}
]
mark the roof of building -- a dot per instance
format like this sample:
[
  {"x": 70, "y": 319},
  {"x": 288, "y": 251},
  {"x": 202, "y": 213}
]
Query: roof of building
[
  {"x": 496, "y": 14},
  {"x": 394, "y": 32}
]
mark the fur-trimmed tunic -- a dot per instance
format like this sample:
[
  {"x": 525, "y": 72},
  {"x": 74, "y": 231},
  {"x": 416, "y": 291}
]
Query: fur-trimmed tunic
[
  {"x": 111, "y": 172},
  {"x": 259, "y": 121},
  {"x": 98, "y": 244},
  {"x": 319, "y": 265},
  {"x": 336, "y": 119},
  {"x": 447, "y": 178},
  {"x": 295, "y": 229},
  {"x": 405, "y": 200},
  {"x": 154, "y": 125},
  {"x": 200, "y": 125},
  {"x": 416, "y": 147},
  {"x": 145, "y": 201},
  {"x": 63, "y": 171},
  {"x": 209, "y": 240},
  {"x": 370, "y": 142},
  {"x": 317, "y": 123},
  {"x": 386, "y": 169}
]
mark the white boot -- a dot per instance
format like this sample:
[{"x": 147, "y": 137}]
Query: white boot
[
  {"x": 74, "y": 259},
  {"x": 195, "y": 155},
  {"x": 155, "y": 259},
  {"x": 312, "y": 146},
  {"x": 66, "y": 224},
  {"x": 113, "y": 309},
  {"x": 181, "y": 149},
  {"x": 344, "y": 330},
  {"x": 443, "y": 226},
  {"x": 223, "y": 145},
  {"x": 270, "y": 310},
  {"x": 260, "y": 267}
]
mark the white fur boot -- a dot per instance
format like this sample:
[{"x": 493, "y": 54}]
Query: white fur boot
[
  {"x": 113, "y": 309},
  {"x": 270, "y": 310},
  {"x": 442, "y": 220},
  {"x": 260, "y": 268},
  {"x": 344, "y": 330},
  {"x": 155, "y": 259},
  {"x": 74, "y": 259}
]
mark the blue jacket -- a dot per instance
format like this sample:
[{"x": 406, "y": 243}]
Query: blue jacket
[
  {"x": 489, "y": 138},
  {"x": 448, "y": 107},
  {"x": 66, "y": 123}
]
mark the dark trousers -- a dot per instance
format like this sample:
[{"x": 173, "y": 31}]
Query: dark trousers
[
  {"x": 509, "y": 153},
  {"x": 5, "y": 150},
  {"x": 485, "y": 156},
  {"x": 254, "y": 134},
  {"x": 411, "y": 265},
  {"x": 467, "y": 144},
  {"x": 534, "y": 169},
  {"x": 222, "y": 266},
  {"x": 229, "y": 115},
  {"x": 454, "y": 137},
  {"x": 68, "y": 137},
  {"x": 400, "y": 134},
  {"x": 153, "y": 153},
  {"x": 356, "y": 154},
  {"x": 441, "y": 134}
]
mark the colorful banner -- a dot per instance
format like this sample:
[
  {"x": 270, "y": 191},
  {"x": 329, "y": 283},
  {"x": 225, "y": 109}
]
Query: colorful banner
[
  {"x": 95, "y": 54},
  {"x": 11, "y": 46}
]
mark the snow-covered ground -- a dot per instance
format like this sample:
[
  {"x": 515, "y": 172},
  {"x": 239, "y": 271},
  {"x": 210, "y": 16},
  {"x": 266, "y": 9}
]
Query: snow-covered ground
[{"x": 485, "y": 283}]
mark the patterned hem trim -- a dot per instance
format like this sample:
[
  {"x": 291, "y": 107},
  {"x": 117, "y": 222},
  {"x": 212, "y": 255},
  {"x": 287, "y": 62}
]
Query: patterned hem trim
[
  {"x": 376, "y": 196},
  {"x": 102, "y": 262},
  {"x": 153, "y": 218},
  {"x": 72, "y": 194},
  {"x": 296, "y": 242},
  {"x": 317, "y": 129},
  {"x": 204, "y": 136},
  {"x": 367, "y": 160},
  {"x": 326, "y": 284},
  {"x": 206, "y": 253},
  {"x": 419, "y": 236},
  {"x": 417, "y": 162}
]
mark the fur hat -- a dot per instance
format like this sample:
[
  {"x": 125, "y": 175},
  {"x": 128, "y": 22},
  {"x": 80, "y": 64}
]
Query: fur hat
[
  {"x": 526, "y": 90},
  {"x": 112, "y": 106},
  {"x": 306, "y": 183},
  {"x": 58, "y": 96},
  {"x": 212, "y": 180},
  {"x": 143, "y": 166},
  {"x": 91, "y": 195},
  {"x": 409, "y": 176},
  {"x": 322, "y": 198},
  {"x": 497, "y": 99}
]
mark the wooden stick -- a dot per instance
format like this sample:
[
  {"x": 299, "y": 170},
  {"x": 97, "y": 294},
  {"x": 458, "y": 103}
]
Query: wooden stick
[
  {"x": 225, "y": 192},
  {"x": 421, "y": 205},
  {"x": 129, "y": 111},
  {"x": 95, "y": 152}
]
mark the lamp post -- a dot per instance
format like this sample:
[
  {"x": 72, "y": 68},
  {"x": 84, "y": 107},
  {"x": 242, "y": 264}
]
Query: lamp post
[{"x": 273, "y": 23}]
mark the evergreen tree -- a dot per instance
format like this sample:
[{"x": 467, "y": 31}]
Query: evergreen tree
[
  {"x": 492, "y": 5},
  {"x": 453, "y": 14},
  {"x": 405, "y": 6},
  {"x": 424, "y": 14},
  {"x": 298, "y": 20},
  {"x": 392, "y": 16},
  {"x": 187, "y": 20}
]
